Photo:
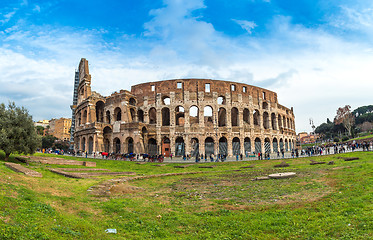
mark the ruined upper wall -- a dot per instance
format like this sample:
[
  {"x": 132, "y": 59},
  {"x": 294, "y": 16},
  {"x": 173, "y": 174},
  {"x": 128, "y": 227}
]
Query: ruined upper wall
[{"x": 179, "y": 86}]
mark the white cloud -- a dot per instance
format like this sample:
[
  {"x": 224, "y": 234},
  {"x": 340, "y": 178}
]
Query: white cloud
[
  {"x": 246, "y": 25},
  {"x": 8, "y": 16},
  {"x": 36, "y": 8}
]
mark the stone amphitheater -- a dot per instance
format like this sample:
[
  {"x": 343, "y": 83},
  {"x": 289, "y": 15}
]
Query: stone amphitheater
[{"x": 181, "y": 117}]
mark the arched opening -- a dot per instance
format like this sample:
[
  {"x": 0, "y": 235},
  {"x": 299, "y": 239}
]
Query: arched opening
[
  {"x": 132, "y": 102},
  {"x": 273, "y": 121},
  {"x": 247, "y": 146},
  {"x": 193, "y": 115},
  {"x": 116, "y": 145},
  {"x": 288, "y": 123},
  {"x": 234, "y": 117},
  {"x": 223, "y": 146},
  {"x": 256, "y": 118},
  {"x": 265, "y": 105},
  {"x": 279, "y": 121},
  {"x": 133, "y": 115},
  {"x": 246, "y": 116},
  {"x": 166, "y": 150},
  {"x": 209, "y": 147},
  {"x": 84, "y": 118},
  {"x": 284, "y": 122},
  {"x": 180, "y": 116},
  {"x": 258, "y": 145},
  {"x": 179, "y": 147},
  {"x": 152, "y": 116},
  {"x": 275, "y": 145},
  {"x": 194, "y": 147},
  {"x": 281, "y": 144},
  {"x": 130, "y": 148},
  {"x": 107, "y": 136},
  {"x": 267, "y": 145},
  {"x": 207, "y": 113},
  {"x": 118, "y": 114},
  {"x": 152, "y": 147},
  {"x": 90, "y": 145},
  {"x": 166, "y": 100},
  {"x": 79, "y": 119},
  {"x": 165, "y": 116},
  {"x": 140, "y": 115},
  {"x": 83, "y": 144},
  {"x": 221, "y": 100},
  {"x": 222, "y": 117},
  {"x": 236, "y": 146},
  {"x": 286, "y": 145},
  {"x": 100, "y": 111},
  {"x": 266, "y": 120},
  {"x": 107, "y": 118}
]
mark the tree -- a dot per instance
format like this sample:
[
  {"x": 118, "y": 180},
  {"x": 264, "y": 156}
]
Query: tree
[
  {"x": 40, "y": 130},
  {"x": 17, "y": 131},
  {"x": 48, "y": 141},
  {"x": 345, "y": 117}
]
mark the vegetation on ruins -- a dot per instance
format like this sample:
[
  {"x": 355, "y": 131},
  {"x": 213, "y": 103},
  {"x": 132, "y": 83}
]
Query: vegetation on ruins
[
  {"x": 221, "y": 202},
  {"x": 17, "y": 131}
]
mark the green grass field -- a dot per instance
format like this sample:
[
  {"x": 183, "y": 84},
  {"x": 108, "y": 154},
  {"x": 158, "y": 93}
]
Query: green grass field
[{"x": 321, "y": 202}]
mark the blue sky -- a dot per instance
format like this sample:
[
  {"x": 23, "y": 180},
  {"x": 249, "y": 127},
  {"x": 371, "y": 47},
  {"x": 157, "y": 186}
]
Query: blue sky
[{"x": 317, "y": 55}]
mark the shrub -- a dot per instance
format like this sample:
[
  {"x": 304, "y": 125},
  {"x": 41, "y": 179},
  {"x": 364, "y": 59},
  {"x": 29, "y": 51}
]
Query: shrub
[
  {"x": 345, "y": 138},
  {"x": 336, "y": 139}
]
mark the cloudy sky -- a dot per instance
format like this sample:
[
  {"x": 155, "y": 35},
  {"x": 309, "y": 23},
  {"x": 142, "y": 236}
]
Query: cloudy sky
[{"x": 316, "y": 54}]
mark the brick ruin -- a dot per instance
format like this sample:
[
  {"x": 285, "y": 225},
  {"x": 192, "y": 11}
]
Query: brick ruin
[{"x": 182, "y": 116}]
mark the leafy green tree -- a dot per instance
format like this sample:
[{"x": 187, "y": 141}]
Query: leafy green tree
[
  {"x": 48, "y": 141},
  {"x": 40, "y": 130},
  {"x": 17, "y": 131}
]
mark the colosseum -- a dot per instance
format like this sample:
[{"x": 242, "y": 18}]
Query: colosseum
[{"x": 180, "y": 116}]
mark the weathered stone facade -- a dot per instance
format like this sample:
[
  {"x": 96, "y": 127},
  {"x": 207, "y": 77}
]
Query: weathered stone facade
[{"x": 182, "y": 116}]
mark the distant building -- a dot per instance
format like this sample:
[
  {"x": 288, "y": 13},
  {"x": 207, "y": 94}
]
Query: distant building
[
  {"x": 305, "y": 138},
  {"x": 42, "y": 123},
  {"x": 60, "y": 128}
]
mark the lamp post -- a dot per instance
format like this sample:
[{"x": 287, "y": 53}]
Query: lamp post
[{"x": 313, "y": 128}]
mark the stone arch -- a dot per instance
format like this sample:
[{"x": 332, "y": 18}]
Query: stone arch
[
  {"x": 265, "y": 105},
  {"x": 194, "y": 147},
  {"x": 234, "y": 117},
  {"x": 132, "y": 101},
  {"x": 267, "y": 145},
  {"x": 266, "y": 120},
  {"x": 284, "y": 122},
  {"x": 209, "y": 146},
  {"x": 133, "y": 114},
  {"x": 208, "y": 113},
  {"x": 152, "y": 116},
  {"x": 79, "y": 118},
  {"x": 221, "y": 100},
  {"x": 179, "y": 146},
  {"x": 275, "y": 145},
  {"x": 116, "y": 146},
  {"x": 194, "y": 115},
  {"x": 256, "y": 118},
  {"x": 273, "y": 121},
  {"x": 281, "y": 144},
  {"x": 247, "y": 146},
  {"x": 117, "y": 114},
  {"x": 84, "y": 117},
  {"x": 152, "y": 147},
  {"x": 165, "y": 116},
  {"x": 279, "y": 121},
  {"x": 83, "y": 147},
  {"x": 286, "y": 145},
  {"x": 288, "y": 123},
  {"x": 100, "y": 105},
  {"x": 246, "y": 116},
  {"x": 236, "y": 146},
  {"x": 222, "y": 117},
  {"x": 258, "y": 145},
  {"x": 180, "y": 116},
  {"x": 166, "y": 100},
  {"x": 130, "y": 145},
  {"x": 140, "y": 115},
  {"x": 223, "y": 146},
  {"x": 108, "y": 117},
  {"x": 166, "y": 147}
]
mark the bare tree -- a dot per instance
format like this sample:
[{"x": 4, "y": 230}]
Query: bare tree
[{"x": 345, "y": 117}]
